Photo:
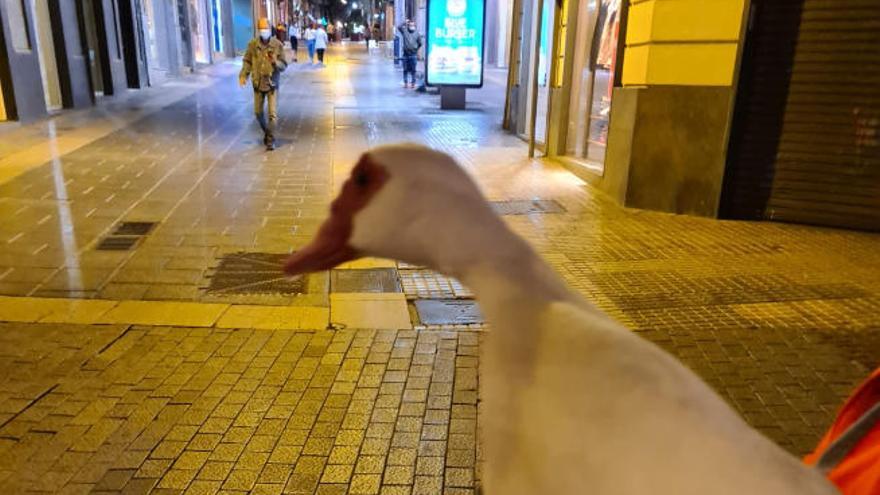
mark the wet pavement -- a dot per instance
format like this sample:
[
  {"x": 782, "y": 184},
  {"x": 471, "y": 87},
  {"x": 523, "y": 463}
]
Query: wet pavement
[{"x": 186, "y": 364}]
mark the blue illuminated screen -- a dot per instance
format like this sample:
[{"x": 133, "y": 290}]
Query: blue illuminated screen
[{"x": 455, "y": 42}]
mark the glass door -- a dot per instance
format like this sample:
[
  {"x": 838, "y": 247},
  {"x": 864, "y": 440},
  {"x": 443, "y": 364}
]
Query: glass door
[
  {"x": 525, "y": 68},
  {"x": 604, "y": 58},
  {"x": 46, "y": 52},
  {"x": 545, "y": 57},
  {"x": 581, "y": 80},
  {"x": 198, "y": 28},
  {"x": 96, "y": 65}
]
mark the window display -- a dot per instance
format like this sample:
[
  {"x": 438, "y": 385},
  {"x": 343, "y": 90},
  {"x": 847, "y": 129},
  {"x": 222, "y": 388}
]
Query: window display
[{"x": 604, "y": 59}]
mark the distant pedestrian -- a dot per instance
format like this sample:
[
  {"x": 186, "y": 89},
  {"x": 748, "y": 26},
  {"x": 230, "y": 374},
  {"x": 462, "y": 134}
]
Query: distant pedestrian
[
  {"x": 264, "y": 61},
  {"x": 321, "y": 41},
  {"x": 377, "y": 34},
  {"x": 309, "y": 36},
  {"x": 331, "y": 33},
  {"x": 281, "y": 32},
  {"x": 368, "y": 34},
  {"x": 294, "y": 34},
  {"x": 411, "y": 41}
]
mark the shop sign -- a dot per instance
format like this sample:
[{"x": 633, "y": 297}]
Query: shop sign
[{"x": 455, "y": 43}]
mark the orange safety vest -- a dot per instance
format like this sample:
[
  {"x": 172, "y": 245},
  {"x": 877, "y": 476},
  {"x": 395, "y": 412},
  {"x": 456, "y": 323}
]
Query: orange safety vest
[{"x": 858, "y": 472}]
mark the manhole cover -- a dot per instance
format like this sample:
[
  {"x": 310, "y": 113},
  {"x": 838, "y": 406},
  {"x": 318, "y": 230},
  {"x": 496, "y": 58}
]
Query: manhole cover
[
  {"x": 254, "y": 273},
  {"x": 527, "y": 207},
  {"x": 448, "y": 312},
  {"x": 134, "y": 228},
  {"x": 374, "y": 280},
  {"x": 117, "y": 243}
]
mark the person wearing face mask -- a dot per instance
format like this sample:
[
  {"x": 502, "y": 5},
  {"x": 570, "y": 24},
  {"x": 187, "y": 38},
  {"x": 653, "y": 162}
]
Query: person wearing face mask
[
  {"x": 263, "y": 62},
  {"x": 412, "y": 43}
]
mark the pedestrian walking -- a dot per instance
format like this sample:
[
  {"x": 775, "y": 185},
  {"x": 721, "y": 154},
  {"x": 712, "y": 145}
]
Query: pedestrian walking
[
  {"x": 321, "y": 41},
  {"x": 367, "y": 35},
  {"x": 309, "y": 36},
  {"x": 377, "y": 35},
  {"x": 281, "y": 32},
  {"x": 294, "y": 34},
  {"x": 263, "y": 62},
  {"x": 412, "y": 43}
]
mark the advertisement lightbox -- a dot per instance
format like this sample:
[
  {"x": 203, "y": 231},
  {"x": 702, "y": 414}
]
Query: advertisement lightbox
[{"x": 455, "y": 43}]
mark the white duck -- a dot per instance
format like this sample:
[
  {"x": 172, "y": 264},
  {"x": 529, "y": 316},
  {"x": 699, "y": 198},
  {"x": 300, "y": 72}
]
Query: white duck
[{"x": 574, "y": 402}]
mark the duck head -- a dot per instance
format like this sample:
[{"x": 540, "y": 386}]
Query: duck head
[{"x": 404, "y": 202}]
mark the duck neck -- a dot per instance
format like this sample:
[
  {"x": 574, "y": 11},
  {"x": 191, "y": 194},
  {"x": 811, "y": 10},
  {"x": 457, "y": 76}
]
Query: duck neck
[{"x": 510, "y": 280}]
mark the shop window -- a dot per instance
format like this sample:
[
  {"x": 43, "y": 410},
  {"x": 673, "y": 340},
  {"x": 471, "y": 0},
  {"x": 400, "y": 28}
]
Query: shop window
[
  {"x": 19, "y": 25},
  {"x": 604, "y": 59},
  {"x": 593, "y": 74}
]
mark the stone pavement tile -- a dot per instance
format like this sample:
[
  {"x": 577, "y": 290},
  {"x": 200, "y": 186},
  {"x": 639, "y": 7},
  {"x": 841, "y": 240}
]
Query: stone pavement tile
[
  {"x": 365, "y": 484},
  {"x": 139, "y": 486},
  {"x": 202, "y": 487},
  {"x": 274, "y": 317},
  {"x": 380, "y": 311},
  {"x": 82, "y": 312},
  {"x": 164, "y": 313},
  {"x": 30, "y": 309}
]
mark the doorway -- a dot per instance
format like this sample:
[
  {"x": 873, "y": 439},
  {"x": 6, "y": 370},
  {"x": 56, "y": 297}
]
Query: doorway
[
  {"x": 97, "y": 65},
  {"x": 545, "y": 56},
  {"x": 594, "y": 63},
  {"x": 46, "y": 54},
  {"x": 198, "y": 27}
]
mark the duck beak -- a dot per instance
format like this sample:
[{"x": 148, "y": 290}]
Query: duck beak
[{"x": 327, "y": 250}]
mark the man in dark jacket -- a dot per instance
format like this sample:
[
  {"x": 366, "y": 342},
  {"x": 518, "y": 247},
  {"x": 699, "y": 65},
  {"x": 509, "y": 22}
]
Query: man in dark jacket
[
  {"x": 263, "y": 62},
  {"x": 411, "y": 41}
]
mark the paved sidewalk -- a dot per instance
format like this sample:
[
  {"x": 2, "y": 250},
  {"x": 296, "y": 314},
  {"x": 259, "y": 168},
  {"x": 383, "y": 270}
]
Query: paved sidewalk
[{"x": 186, "y": 364}]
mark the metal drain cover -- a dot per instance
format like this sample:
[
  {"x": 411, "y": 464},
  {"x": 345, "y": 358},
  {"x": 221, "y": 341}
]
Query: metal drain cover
[
  {"x": 134, "y": 228},
  {"x": 254, "y": 273},
  {"x": 117, "y": 243},
  {"x": 448, "y": 312},
  {"x": 527, "y": 206},
  {"x": 373, "y": 280}
]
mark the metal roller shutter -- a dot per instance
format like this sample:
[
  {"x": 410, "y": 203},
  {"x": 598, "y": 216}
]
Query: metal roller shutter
[{"x": 805, "y": 142}]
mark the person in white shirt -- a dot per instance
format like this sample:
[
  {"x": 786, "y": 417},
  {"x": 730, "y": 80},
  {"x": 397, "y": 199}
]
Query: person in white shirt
[
  {"x": 309, "y": 36},
  {"x": 321, "y": 41},
  {"x": 294, "y": 34}
]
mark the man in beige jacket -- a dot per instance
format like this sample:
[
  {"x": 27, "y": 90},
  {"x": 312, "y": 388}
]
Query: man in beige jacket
[{"x": 263, "y": 62}]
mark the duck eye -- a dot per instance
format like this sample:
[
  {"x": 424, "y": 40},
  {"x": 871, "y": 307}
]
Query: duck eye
[{"x": 361, "y": 178}]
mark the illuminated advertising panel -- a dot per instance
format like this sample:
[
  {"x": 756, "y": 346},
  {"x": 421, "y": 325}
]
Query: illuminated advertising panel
[{"x": 455, "y": 42}]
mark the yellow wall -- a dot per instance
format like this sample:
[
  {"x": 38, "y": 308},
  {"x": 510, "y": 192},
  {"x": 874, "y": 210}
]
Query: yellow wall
[
  {"x": 2, "y": 106},
  {"x": 682, "y": 42}
]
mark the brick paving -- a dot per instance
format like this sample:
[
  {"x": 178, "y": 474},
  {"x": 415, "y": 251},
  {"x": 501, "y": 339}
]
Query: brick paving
[
  {"x": 142, "y": 409},
  {"x": 781, "y": 320}
]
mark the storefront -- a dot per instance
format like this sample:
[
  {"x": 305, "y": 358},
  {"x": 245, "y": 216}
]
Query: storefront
[
  {"x": 46, "y": 53},
  {"x": 563, "y": 70},
  {"x": 199, "y": 32},
  {"x": 805, "y": 140},
  {"x": 21, "y": 85}
]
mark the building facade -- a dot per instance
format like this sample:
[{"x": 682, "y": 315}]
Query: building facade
[
  {"x": 731, "y": 108},
  {"x": 57, "y": 54}
]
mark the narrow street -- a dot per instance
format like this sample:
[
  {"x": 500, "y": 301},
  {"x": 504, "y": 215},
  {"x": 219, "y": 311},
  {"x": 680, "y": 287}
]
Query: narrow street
[{"x": 149, "y": 343}]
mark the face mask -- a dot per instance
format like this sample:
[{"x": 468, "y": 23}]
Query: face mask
[
  {"x": 412, "y": 29},
  {"x": 265, "y": 33}
]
